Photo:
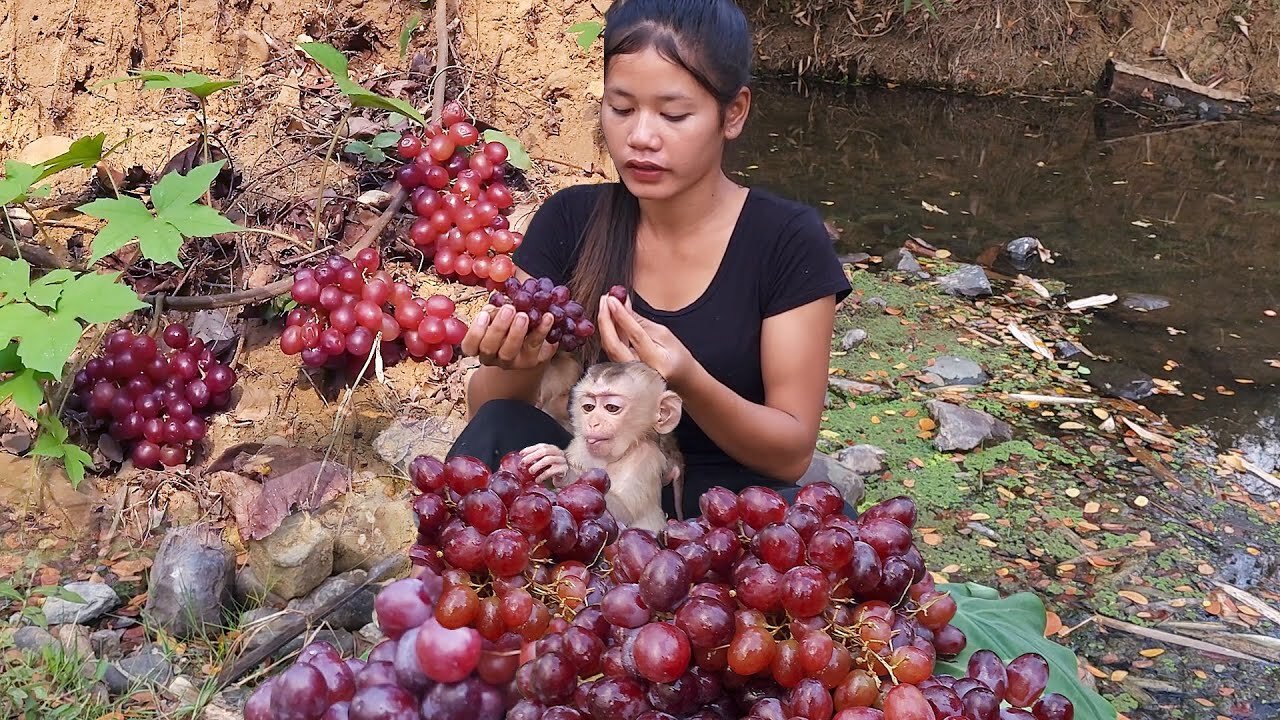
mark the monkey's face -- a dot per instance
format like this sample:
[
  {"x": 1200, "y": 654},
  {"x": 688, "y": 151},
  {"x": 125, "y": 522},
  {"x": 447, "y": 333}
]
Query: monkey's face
[
  {"x": 619, "y": 405},
  {"x": 610, "y": 424}
]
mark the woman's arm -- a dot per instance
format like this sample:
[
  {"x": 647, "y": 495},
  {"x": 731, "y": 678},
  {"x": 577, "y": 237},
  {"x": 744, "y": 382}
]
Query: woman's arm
[
  {"x": 777, "y": 438},
  {"x": 774, "y": 439}
]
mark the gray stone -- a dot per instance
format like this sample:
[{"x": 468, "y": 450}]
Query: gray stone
[
  {"x": 853, "y": 338},
  {"x": 33, "y": 639},
  {"x": 98, "y": 599},
  {"x": 192, "y": 581},
  {"x": 353, "y": 614},
  {"x": 1173, "y": 102},
  {"x": 106, "y": 643},
  {"x": 955, "y": 370},
  {"x": 1121, "y": 381},
  {"x": 250, "y": 591},
  {"x": 854, "y": 258},
  {"x": 1142, "y": 302},
  {"x": 857, "y": 388},
  {"x": 405, "y": 439},
  {"x": 902, "y": 260},
  {"x": 368, "y": 525},
  {"x": 825, "y": 468},
  {"x": 862, "y": 459},
  {"x": 1067, "y": 349},
  {"x": 296, "y": 557},
  {"x": 149, "y": 666},
  {"x": 968, "y": 281},
  {"x": 962, "y": 428},
  {"x": 1023, "y": 252},
  {"x": 876, "y": 301},
  {"x": 74, "y": 639}
]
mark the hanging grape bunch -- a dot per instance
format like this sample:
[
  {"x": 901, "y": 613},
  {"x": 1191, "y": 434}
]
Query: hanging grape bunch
[
  {"x": 536, "y": 296},
  {"x": 345, "y": 304},
  {"x": 457, "y": 189},
  {"x": 154, "y": 403}
]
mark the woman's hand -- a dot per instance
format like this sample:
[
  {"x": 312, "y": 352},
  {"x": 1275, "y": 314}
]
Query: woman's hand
[
  {"x": 502, "y": 337},
  {"x": 626, "y": 336}
]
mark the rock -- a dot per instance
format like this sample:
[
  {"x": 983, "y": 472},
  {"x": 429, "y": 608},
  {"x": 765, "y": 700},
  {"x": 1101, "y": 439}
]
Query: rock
[
  {"x": 1143, "y": 302},
  {"x": 250, "y": 591},
  {"x": 1171, "y": 101},
  {"x": 876, "y": 301},
  {"x": 74, "y": 639},
  {"x": 962, "y": 428},
  {"x": 44, "y": 148},
  {"x": 353, "y": 614},
  {"x": 825, "y": 468},
  {"x": 33, "y": 639},
  {"x": 191, "y": 581},
  {"x": 23, "y": 224},
  {"x": 1023, "y": 252},
  {"x": 854, "y": 258},
  {"x": 405, "y": 439},
  {"x": 106, "y": 643},
  {"x": 1121, "y": 381},
  {"x": 368, "y": 525},
  {"x": 902, "y": 260},
  {"x": 98, "y": 599},
  {"x": 955, "y": 370},
  {"x": 149, "y": 666},
  {"x": 853, "y": 338},
  {"x": 295, "y": 558},
  {"x": 862, "y": 459},
  {"x": 968, "y": 281},
  {"x": 1067, "y": 349},
  {"x": 370, "y": 635},
  {"x": 857, "y": 388}
]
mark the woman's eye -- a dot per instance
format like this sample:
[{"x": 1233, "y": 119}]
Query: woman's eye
[
  {"x": 613, "y": 409},
  {"x": 621, "y": 111},
  {"x": 675, "y": 118}
]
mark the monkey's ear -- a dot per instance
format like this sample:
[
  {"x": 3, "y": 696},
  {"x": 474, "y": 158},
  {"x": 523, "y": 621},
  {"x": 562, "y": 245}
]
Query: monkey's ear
[{"x": 670, "y": 408}]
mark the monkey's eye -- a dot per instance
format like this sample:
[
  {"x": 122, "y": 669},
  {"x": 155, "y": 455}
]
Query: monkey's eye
[
  {"x": 613, "y": 408},
  {"x": 588, "y": 407}
]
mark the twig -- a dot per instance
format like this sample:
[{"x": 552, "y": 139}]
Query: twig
[
  {"x": 1049, "y": 399},
  {"x": 1162, "y": 636},
  {"x": 1266, "y": 610},
  {"x": 324, "y": 171}
]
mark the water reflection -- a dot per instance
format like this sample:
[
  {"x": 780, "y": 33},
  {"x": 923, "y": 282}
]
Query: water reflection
[{"x": 1190, "y": 215}]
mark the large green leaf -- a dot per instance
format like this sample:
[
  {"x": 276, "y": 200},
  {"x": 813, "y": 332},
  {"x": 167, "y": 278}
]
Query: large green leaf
[
  {"x": 1010, "y": 627},
  {"x": 99, "y": 298},
  {"x": 175, "y": 189},
  {"x": 18, "y": 178},
  {"x": 198, "y": 221},
  {"x": 15, "y": 279},
  {"x": 46, "y": 291},
  {"x": 19, "y": 319},
  {"x": 407, "y": 33},
  {"x": 49, "y": 343},
  {"x": 24, "y": 388},
  {"x": 9, "y": 361},
  {"x": 84, "y": 152},
  {"x": 587, "y": 32}
]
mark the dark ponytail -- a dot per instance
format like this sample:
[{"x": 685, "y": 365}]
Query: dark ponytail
[{"x": 711, "y": 40}]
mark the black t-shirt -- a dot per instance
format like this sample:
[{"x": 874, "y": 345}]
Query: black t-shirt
[{"x": 779, "y": 257}]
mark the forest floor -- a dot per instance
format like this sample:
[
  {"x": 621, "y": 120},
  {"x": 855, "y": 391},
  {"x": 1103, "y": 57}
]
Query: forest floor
[{"x": 1080, "y": 507}]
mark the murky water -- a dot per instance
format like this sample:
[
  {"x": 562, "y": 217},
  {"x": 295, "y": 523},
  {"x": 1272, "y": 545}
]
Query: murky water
[{"x": 1192, "y": 215}]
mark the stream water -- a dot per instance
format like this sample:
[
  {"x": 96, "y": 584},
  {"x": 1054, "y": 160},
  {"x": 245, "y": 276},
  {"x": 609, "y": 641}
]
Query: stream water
[{"x": 1191, "y": 215}]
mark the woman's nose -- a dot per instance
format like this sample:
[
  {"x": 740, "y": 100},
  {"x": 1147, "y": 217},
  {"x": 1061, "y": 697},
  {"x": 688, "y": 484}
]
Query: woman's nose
[{"x": 644, "y": 135}]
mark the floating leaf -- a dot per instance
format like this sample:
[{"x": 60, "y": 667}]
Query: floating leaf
[{"x": 516, "y": 154}]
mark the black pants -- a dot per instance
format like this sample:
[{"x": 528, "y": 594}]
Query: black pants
[{"x": 503, "y": 426}]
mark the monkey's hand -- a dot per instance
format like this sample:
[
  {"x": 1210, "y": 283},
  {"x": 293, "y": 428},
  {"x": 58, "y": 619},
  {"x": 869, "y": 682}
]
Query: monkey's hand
[{"x": 546, "y": 462}]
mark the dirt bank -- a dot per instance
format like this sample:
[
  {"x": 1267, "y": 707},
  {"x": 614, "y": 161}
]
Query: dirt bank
[{"x": 1020, "y": 45}]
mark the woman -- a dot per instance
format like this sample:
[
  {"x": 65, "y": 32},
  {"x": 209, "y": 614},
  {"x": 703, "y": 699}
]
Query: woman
[{"x": 732, "y": 291}]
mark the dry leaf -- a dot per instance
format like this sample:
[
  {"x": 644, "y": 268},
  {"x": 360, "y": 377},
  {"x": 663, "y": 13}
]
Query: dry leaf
[
  {"x": 933, "y": 208},
  {"x": 1119, "y": 675},
  {"x": 1134, "y": 597},
  {"x": 1092, "y": 301},
  {"x": 1030, "y": 340},
  {"x": 1052, "y": 623},
  {"x": 1151, "y": 652},
  {"x": 927, "y": 424},
  {"x": 1091, "y": 507}
]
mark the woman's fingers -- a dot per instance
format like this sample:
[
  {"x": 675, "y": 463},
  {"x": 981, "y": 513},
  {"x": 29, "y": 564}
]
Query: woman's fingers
[
  {"x": 629, "y": 326},
  {"x": 475, "y": 333},
  {"x": 497, "y": 331},
  {"x": 515, "y": 338},
  {"x": 610, "y": 339}
]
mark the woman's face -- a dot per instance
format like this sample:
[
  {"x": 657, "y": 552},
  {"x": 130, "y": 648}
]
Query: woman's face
[{"x": 663, "y": 130}]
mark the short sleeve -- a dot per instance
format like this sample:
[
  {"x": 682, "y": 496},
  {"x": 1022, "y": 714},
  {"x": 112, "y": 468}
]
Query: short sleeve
[
  {"x": 551, "y": 240},
  {"x": 803, "y": 267}
]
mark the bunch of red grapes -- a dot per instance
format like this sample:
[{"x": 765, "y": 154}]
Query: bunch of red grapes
[
  {"x": 154, "y": 403},
  {"x": 461, "y": 199},
  {"x": 537, "y": 296},
  {"x": 345, "y": 304},
  {"x": 532, "y": 605}
]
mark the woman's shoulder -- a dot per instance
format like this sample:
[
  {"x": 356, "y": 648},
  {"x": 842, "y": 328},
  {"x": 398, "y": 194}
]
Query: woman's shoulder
[
  {"x": 774, "y": 217},
  {"x": 578, "y": 196}
]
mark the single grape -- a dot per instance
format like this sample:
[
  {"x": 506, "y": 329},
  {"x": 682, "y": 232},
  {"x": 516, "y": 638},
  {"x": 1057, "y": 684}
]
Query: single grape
[
  {"x": 1027, "y": 675},
  {"x": 145, "y": 454},
  {"x": 987, "y": 668},
  {"x": 175, "y": 336},
  {"x": 662, "y": 652},
  {"x": 383, "y": 702},
  {"x": 447, "y": 655},
  {"x": 401, "y": 606},
  {"x": 300, "y": 693},
  {"x": 1050, "y": 707}
]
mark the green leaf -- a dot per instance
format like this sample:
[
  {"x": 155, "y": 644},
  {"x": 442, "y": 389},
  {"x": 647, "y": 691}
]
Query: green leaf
[
  {"x": 8, "y": 591},
  {"x": 25, "y": 391},
  {"x": 587, "y": 32},
  {"x": 200, "y": 85},
  {"x": 48, "y": 446},
  {"x": 1010, "y": 627},
  {"x": 45, "y": 291},
  {"x": 329, "y": 58},
  {"x": 9, "y": 361},
  {"x": 15, "y": 279},
  {"x": 75, "y": 461},
  {"x": 407, "y": 33},
  {"x": 99, "y": 298},
  {"x": 385, "y": 139},
  {"x": 516, "y": 154},
  {"x": 18, "y": 178},
  {"x": 365, "y": 98},
  {"x": 198, "y": 220},
  {"x": 126, "y": 216},
  {"x": 54, "y": 427},
  {"x": 365, "y": 150},
  {"x": 336, "y": 63},
  {"x": 84, "y": 152},
  {"x": 175, "y": 189},
  {"x": 52, "y": 342},
  {"x": 17, "y": 320}
]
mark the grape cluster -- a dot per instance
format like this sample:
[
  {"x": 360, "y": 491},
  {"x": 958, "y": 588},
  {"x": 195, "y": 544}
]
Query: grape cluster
[
  {"x": 461, "y": 199},
  {"x": 344, "y": 305},
  {"x": 532, "y": 605},
  {"x": 154, "y": 403},
  {"x": 536, "y": 296}
]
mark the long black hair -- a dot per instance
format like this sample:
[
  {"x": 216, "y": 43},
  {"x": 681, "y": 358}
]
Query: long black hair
[{"x": 711, "y": 40}]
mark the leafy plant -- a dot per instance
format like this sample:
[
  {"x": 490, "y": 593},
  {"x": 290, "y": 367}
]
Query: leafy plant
[
  {"x": 1010, "y": 627},
  {"x": 19, "y": 177},
  {"x": 335, "y": 62},
  {"x": 516, "y": 154},
  {"x": 588, "y": 31},
  {"x": 177, "y": 214},
  {"x": 407, "y": 33},
  {"x": 373, "y": 149},
  {"x": 202, "y": 86}
]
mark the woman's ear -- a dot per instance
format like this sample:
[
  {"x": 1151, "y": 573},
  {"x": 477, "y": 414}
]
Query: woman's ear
[
  {"x": 735, "y": 114},
  {"x": 670, "y": 408}
]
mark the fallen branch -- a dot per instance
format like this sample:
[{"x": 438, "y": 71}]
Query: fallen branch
[
  {"x": 1162, "y": 636},
  {"x": 1048, "y": 399},
  {"x": 1252, "y": 601}
]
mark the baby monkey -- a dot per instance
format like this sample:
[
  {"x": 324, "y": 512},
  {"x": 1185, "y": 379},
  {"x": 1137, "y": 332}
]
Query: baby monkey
[{"x": 622, "y": 416}]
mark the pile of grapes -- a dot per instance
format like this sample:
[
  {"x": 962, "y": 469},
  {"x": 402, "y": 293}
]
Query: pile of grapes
[
  {"x": 154, "y": 403},
  {"x": 531, "y": 604},
  {"x": 536, "y": 296},
  {"x": 458, "y": 191},
  {"x": 345, "y": 304}
]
